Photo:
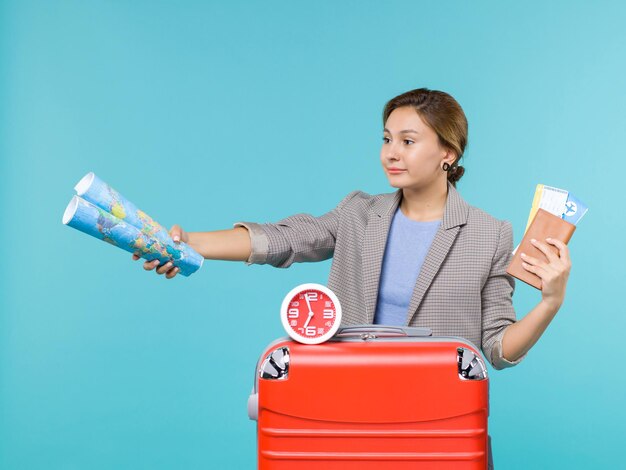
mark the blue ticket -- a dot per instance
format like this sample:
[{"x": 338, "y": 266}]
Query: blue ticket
[{"x": 574, "y": 209}]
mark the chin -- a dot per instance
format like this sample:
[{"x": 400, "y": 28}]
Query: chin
[{"x": 395, "y": 184}]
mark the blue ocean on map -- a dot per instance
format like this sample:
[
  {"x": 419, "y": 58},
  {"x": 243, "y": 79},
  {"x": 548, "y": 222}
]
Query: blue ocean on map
[{"x": 102, "y": 212}]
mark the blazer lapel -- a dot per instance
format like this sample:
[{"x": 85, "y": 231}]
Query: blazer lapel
[
  {"x": 455, "y": 215},
  {"x": 374, "y": 242}
]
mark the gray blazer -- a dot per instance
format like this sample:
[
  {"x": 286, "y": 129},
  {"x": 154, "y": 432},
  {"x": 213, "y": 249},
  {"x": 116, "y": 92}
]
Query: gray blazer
[{"x": 462, "y": 289}]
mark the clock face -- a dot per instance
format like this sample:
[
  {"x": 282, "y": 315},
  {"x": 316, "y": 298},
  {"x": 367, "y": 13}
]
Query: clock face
[{"x": 311, "y": 313}]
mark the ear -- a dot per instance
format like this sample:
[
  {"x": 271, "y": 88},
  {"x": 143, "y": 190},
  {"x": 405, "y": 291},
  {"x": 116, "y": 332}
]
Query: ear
[{"x": 448, "y": 157}]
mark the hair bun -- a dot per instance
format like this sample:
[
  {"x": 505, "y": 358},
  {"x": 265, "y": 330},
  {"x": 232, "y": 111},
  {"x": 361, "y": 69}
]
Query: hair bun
[{"x": 455, "y": 173}]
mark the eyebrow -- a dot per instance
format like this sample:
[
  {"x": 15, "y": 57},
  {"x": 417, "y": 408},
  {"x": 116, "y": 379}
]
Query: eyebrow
[{"x": 405, "y": 131}]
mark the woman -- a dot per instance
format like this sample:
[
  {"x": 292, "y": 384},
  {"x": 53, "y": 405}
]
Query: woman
[{"x": 420, "y": 256}]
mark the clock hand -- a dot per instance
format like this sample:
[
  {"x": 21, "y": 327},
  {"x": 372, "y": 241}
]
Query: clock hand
[
  {"x": 306, "y": 297},
  {"x": 308, "y": 319}
]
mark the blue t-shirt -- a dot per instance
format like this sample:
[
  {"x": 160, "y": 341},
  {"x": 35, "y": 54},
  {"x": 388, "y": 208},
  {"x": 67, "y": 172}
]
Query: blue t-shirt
[{"x": 408, "y": 243}]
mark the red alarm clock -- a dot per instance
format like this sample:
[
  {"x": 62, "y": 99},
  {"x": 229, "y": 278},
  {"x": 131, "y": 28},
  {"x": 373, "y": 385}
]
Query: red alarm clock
[{"x": 311, "y": 313}]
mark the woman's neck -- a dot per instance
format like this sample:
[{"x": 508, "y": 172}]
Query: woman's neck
[{"x": 424, "y": 205}]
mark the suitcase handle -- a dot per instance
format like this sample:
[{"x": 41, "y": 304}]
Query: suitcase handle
[{"x": 381, "y": 331}]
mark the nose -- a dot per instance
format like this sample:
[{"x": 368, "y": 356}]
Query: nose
[{"x": 391, "y": 152}]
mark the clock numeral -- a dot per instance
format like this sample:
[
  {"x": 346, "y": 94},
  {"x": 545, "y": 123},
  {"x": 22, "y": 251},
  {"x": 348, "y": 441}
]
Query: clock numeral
[
  {"x": 328, "y": 313},
  {"x": 310, "y": 331},
  {"x": 295, "y": 303},
  {"x": 328, "y": 304},
  {"x": 293, "y": 313},
  {"x": 320, "y": 331},
  {"x": 312, "y": 296},
  {"x": 293, "y": 322}
]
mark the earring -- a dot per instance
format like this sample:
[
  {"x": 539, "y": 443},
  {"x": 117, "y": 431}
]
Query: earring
[{"x": 446, "y": 166}]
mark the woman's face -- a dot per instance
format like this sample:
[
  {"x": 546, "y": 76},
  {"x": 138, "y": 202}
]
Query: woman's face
[{"x": 409, "y": 144}]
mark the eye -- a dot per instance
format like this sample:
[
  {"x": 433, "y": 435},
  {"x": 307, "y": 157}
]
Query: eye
[
  {"x": 386, "y": 140},
  {"x": 409, "y": 141}
]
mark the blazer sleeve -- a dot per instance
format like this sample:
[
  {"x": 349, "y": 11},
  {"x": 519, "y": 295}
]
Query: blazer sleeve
[
  {"x": 296, "y": 239},
  {"x": 497, "y": 301}
]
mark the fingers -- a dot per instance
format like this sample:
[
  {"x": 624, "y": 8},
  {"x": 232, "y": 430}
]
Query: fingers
[
  {"x": 136, "y": 256},
  {"x": 150, "y": 265},
  {"x": 168, "y": 269},
  {"x": 556, "y": 265},
  {"x": 537, "y": 269},
  {"x": 176, "y": 232},
  {"x": 164, "y": 268},
  {"x": 545, "y": 250},
  {"x": 563, "y": 249},
  {"x": 172, "y": 272},
  {"x": 534, "y": 262}
]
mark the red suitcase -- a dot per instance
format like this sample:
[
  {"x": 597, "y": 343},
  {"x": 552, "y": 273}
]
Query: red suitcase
[{"x": 372, "y": 398}]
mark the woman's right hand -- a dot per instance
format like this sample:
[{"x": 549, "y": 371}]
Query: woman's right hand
[{"x": 178, "y": 235}]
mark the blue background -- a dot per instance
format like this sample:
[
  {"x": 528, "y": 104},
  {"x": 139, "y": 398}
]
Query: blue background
[{"x": 204, "y": 114}]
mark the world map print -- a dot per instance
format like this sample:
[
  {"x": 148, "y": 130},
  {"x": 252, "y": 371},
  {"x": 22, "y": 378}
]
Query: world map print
[{"x": 102, "y": 212}]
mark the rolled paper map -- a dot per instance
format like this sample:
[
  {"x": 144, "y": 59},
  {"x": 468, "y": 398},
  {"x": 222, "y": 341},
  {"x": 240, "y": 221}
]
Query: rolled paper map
[
  {"x": 93, "y": 220},
  {"x": 92, "y": 189}
]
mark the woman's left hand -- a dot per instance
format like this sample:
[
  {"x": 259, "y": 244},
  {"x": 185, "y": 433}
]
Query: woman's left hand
[{"x": 553, "y": 273}]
